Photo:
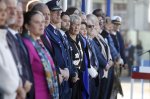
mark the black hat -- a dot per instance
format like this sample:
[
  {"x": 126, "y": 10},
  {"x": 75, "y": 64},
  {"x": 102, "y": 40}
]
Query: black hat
[{"x": 53, "y": 5}]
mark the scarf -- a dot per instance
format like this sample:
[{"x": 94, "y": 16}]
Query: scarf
[
  {"x": 107, "y": 54},
  {"x": 49, "y": 67}
]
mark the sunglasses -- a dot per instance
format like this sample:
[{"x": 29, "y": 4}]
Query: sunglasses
[{"x": 90, "y": 26}]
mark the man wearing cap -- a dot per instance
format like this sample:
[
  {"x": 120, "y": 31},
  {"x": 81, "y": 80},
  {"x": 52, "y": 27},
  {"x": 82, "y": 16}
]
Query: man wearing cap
[
  {"x": 117, "y": 37},
  {"x": 58, "y": 50}
]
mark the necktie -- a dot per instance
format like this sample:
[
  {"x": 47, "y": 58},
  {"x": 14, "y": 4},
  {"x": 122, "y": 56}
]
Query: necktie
[
  {"x": 13, "y": 47},
  {"x": 20, "y": 42}
]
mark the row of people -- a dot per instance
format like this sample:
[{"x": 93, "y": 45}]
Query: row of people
[{"x": 49, "y": 54}]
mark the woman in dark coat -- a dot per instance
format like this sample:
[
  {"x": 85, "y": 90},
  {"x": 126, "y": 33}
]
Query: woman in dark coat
[{"x": 80, "y": 59}]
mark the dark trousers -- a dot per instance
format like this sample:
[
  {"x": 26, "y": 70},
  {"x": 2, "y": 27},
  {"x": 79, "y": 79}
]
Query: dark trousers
[
  {"x": 78, "y": 87},
  {"x": 65, "y": 90},
  {"x": 106, "y": 85},
  {"x": 94, "y": 88},
  {"x": 77, "y": 90}
]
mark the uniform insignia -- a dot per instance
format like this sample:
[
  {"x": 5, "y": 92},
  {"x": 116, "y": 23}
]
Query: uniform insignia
[{"x": 76, "y": 55}]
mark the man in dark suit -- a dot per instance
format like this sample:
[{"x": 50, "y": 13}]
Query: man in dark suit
[
  {"x": 14, "y": 22},
  {"x": 65, "y": 25},
  {"x": 58, "y": 49},
  {"x": 117, "y": 38}
]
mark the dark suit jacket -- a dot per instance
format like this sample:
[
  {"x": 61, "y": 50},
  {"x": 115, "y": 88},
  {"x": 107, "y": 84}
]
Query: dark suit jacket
[
  {"x": 115, "y": 54},
  {"x": 122, "y": 46},
  {"x": 119, "y": 44},
  {"x": 59, "y": 54},
  {"x": 20, "y": 55},
  {"x": 93, "y": 58},
  {"x": 102, "y": 61},
  {"x": 83, "y": 87}
]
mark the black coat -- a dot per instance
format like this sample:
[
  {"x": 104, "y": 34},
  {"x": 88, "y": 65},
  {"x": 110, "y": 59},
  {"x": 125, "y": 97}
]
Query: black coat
[
  {"x": 119, "y": 44},
  {"x": 61, "y": 56},
  {"x": 79, "y": 52}
]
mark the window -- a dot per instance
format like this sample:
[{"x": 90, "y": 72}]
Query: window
[{"x": 120, "y": 6}]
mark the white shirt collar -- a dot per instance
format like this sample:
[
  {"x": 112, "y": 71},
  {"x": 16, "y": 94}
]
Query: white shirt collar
[
  {"x": 62, "y": 32},
  {"x": 100, "y": 31},
  {"x": 53, "y": 26},
  {"x": 114, "y": 33},
  {"x": 14, "y": 32}
]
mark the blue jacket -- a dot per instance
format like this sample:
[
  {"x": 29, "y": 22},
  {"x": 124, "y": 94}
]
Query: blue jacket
[
  {"x": 119, "y": 44},
  {"x": 102, "y": 61},
  {"x": 93, "y": 58},
  {"x": 59, "y": 54},
  {"x": 122, "y": 46},
  {"x": 72, "y": 68},
  {"x": 115, "y": 54}
]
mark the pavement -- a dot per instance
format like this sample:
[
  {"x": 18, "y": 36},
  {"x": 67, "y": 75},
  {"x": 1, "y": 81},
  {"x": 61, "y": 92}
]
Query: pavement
[{"x": 126, "y": 85}]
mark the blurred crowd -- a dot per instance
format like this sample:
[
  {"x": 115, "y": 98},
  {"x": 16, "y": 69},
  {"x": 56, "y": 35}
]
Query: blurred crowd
[{"x": 46, "y": 53}]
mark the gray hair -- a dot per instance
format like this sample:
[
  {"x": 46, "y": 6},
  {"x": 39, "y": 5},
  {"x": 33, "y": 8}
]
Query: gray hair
[
  {"x": 74, "y": 18},
  {"x": 92, "y": 18}
]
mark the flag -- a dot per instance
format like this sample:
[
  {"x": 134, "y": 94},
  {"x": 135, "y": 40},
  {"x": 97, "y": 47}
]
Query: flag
[{"x": 140, "y": 72}]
